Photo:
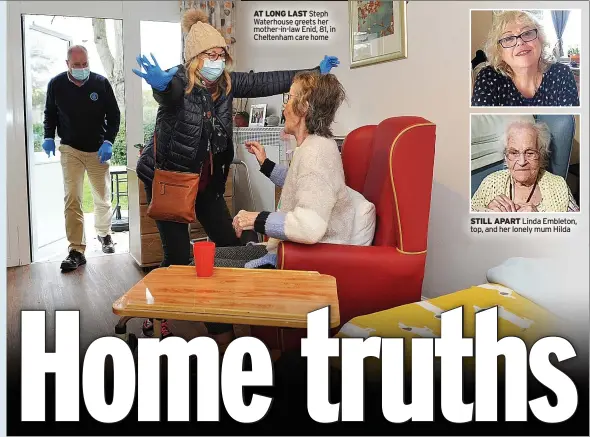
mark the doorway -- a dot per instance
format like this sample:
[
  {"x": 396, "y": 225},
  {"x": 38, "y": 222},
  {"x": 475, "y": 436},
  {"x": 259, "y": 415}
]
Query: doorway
[{"x": 46, "y": 41}]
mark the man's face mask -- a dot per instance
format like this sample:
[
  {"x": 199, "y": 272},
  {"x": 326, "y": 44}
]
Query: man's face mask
[
  {"x": 80, "y": 73},
  {"x": 213, "y": 69}
]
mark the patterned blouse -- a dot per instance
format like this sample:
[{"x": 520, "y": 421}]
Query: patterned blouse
[
  {"x": 555, "y": 193},
  {"x": 558, "y": 88}
]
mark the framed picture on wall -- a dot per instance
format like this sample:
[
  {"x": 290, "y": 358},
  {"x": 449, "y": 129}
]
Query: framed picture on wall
[
  {"x": 257, "y": 115},
  {"x": 378, "y": 31}
]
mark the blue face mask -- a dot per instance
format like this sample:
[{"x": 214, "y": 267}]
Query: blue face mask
[
  {"x": 212, "y": 69},
  {"x": 80, "y": 73}
]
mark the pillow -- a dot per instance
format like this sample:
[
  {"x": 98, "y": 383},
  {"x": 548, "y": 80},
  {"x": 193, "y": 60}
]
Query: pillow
[{"x": 363, "y": 228}]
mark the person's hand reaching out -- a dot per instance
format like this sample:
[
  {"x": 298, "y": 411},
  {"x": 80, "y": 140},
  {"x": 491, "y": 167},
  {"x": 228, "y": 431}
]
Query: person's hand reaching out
[
  {"x": 256, "y": 149},
  {"x": 328, "y": 63},
  {"x": 154, "y": 75}
]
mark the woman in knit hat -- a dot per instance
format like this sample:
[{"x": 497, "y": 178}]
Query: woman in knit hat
[{"x": 194, "y": 134}]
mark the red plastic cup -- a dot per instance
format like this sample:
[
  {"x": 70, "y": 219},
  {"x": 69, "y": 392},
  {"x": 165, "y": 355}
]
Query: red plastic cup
[{"x": 204, "y": 252}]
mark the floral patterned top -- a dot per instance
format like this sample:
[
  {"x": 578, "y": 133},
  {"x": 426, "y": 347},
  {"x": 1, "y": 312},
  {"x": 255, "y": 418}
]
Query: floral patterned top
[{"x": 558, "y": 88}]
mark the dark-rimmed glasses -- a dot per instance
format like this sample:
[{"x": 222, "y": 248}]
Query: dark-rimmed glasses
[
  {"x": 526, "y": 36},
  {"x": 215, "y": 56},
  {"x": 529, "y": 154}
]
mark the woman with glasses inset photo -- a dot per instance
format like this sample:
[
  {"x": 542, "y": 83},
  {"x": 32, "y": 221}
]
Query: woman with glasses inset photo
[
  {"x": 526, "y": 184},
  {"x": 519, "y": 67}
]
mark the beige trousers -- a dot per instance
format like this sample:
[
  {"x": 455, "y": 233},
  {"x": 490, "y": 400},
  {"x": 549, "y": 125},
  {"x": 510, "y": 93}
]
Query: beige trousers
[{"x": 74, "y": 164}]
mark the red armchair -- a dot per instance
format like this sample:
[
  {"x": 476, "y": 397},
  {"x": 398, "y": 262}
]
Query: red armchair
[{"x": 391, "y": 164}]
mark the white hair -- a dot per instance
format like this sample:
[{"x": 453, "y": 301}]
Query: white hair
[{"x": 542, "y": 133}]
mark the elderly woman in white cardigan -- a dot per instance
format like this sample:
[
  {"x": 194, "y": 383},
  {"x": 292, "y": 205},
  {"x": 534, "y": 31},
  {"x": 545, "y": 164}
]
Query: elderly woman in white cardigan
[{"x": 315, "y": 206}]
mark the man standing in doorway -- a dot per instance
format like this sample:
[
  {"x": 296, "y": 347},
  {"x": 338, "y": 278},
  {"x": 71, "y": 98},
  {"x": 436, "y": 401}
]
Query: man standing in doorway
[{"x": 82, "y": 106}]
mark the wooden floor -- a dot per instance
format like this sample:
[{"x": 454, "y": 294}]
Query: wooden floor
[{"x": 91, "y": 289}]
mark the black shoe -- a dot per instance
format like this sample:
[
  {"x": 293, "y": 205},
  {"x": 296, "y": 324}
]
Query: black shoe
[
  {"x": 74, "y": 260},
  {"x": 107, "y": 244}
]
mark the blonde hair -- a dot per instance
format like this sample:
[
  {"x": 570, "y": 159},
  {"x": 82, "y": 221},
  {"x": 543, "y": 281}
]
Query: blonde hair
[
  {"x": 543, "y": 135},
  {"x": 194, "y": 76},
  {"x": 493, "y": 49}
]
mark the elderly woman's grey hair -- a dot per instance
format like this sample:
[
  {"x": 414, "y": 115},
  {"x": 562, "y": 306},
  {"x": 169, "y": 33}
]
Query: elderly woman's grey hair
[
  {"x": 319, "y": 99},
  {"x": 542, "y": 133},
  {"x": 493, "y": 49}
]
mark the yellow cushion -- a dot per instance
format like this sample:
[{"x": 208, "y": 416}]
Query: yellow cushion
[{"x": 517, "y": 316}]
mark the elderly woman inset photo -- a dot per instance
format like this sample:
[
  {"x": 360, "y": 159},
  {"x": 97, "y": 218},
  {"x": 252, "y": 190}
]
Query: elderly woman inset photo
[
  {"x": 519, "y": 64},
  {"x": 525, "y": 184}
]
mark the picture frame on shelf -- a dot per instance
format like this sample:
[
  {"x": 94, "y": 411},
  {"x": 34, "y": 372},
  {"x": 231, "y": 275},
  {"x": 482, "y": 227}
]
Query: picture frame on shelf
[
  {"x": 378, "y": 32},
  {"x": 257, "y": 115}
]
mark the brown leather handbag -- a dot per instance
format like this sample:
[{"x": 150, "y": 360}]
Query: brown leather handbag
[{"x": 173, "y": 195}]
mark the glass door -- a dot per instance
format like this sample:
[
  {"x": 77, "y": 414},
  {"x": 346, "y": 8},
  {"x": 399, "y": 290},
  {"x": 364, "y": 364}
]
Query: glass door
[
  {"x": 45, "y": 54},
  {"x": 164, "y": 41},
  {"x": 45, "y": 45}
]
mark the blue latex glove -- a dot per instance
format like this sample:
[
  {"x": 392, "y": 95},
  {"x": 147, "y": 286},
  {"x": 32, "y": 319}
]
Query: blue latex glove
[
  {"x": 49, "y": 146},
  {"x": 327, "y": 63},
  {"x": 154, "y": 75},
  {"x": 105, "y": 152}
]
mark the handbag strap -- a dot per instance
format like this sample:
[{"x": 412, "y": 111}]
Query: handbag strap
[{"x": 155, "y": 154}]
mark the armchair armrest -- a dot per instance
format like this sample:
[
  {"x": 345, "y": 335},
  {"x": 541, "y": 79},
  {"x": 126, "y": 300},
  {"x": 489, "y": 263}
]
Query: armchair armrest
[
  {"x": 322, "y": 256},
  {"x": 369, "y": 278}
]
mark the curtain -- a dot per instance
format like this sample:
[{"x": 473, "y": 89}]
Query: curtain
[
  {"x": 559, "y": 22},
  {"x": 221, "y": 16}
]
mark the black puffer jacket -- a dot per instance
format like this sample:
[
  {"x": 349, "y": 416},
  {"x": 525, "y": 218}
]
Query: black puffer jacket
[{"x": 180, "y": 122}]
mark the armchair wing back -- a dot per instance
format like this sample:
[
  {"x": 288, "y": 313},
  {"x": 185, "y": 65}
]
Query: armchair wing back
[
  {"x": 357, "y": 151},
  {"x": 399, "y": 182}
]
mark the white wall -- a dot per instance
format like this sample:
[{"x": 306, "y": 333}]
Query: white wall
[
  {"x": 433, "y": 83},
  {"x": 132, "y": 13},
  {"x": 3, "y": 189},
  {"x": 3, "y": 137}
]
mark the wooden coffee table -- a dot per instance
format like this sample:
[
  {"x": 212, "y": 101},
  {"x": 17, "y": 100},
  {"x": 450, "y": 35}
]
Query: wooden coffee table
[{"x": 259, "y": 297}]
